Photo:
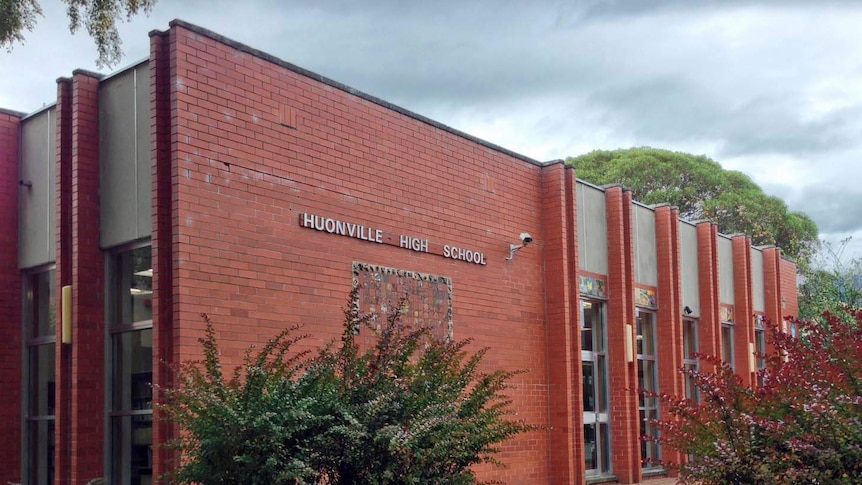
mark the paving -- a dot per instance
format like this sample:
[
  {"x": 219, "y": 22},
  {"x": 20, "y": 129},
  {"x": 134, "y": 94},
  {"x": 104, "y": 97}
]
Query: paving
[{"x": 659, "y": 481}]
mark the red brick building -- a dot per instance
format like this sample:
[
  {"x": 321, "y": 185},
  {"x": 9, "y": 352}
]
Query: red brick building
[{"x": 214, "y": 178}]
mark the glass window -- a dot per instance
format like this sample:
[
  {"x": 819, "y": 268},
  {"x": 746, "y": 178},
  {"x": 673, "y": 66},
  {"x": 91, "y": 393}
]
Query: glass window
[
  {"x": 690, "y": 348},
  {"x": 648, "y": 380},
  {"x": 131, "y": 353},
  {"x": 727, "y": 350},
  {"x": 594, "y": 378},
  {"x": 133, "y": 288},
  {"x": 760, "y": 346},
  {"x": 40, "y": 324}
]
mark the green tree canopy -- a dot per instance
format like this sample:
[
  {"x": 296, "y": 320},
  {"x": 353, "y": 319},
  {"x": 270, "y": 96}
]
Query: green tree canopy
[
  {"x": 99, "y": 17},
  {"x": 703, "y": 190}
]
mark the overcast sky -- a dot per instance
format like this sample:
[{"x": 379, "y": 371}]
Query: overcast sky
[{"x": 770, "y": 88}]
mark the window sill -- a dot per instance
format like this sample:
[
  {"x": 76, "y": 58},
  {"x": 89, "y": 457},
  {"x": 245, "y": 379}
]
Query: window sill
[{"x": 602, "y": 479}]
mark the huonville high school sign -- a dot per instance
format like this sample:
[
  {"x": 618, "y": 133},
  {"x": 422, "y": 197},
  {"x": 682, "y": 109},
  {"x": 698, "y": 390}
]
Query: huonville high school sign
[{"x": 379, "y": 236}]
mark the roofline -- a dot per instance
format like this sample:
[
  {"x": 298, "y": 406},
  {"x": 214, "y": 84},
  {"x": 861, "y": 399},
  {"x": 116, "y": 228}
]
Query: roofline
[
  {"x": 347, "y": 89},
  {"x": 12, "y": 112}
]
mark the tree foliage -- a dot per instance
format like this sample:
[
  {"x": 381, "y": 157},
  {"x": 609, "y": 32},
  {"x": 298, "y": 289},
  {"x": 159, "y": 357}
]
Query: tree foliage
[
  {"x": 703, "y": 190},
  {"x": 98, "y": 17},
  {"x": 832, "y": 285},
  {"x": 411, "y": 409},
  {"x": 803, "y": 425}
]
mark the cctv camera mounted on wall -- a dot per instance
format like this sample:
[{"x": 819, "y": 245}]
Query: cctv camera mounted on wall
[{"x": 526, "y": 239}]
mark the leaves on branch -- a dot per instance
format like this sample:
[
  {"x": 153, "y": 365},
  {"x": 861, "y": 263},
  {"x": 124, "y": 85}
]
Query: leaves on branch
[{"x": 98, "y": 17}]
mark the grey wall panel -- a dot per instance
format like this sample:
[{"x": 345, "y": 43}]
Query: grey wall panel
[
  {"x": 124, "y": 162},
  {"x": 758, "y": 300},
  {"x": 592, "y": 230},
  {"x": 689, "y": 272},
  {"x": 36, "y": 204},
  {"x": 646, "y": 260},
  {"x": 725, "y": 270},
  {"x": 143, "y": 161}
]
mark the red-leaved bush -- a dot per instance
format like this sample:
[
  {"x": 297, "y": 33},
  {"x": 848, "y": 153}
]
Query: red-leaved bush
[{"x": 802, "y": 425}]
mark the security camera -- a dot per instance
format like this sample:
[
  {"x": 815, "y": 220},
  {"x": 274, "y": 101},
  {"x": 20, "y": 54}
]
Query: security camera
[{"x": 526, "y": 238}]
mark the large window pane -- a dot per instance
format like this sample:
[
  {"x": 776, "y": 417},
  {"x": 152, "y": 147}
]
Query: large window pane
[
  {"x": 647, "y": 380},
  {"x": 40, "y": 293},
  {"x": 133, "y": 296},
  {"x": 40, "y": 330},
  {"x": 594, "y": 378},
  {"x": 591, "y": 447},
  {"x": 41, "y": 380},
  {"x": 589, "y": 386},
  {"x": 133, "y": 370},
  {"x": 133, "y": 449},
  {"x": 130, "y": 321},
  {"x": 40, "y": 456},
  {"x": 727, "y": 345}
]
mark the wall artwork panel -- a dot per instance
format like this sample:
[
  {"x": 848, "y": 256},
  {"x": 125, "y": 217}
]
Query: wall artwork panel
[{"x": 425, "y": 300}]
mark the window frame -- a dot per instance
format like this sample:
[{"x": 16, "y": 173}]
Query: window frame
[
  {"x": 648, "y": 405},
  {"x": 599, "y": 417},
  {"x": 113, "y": 331},
  {"x": 690, "y": 361},
  {"x": 29, "y": 344}
]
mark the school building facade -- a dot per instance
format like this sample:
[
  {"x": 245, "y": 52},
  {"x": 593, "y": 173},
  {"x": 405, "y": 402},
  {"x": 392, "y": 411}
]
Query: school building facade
[{"x": 214, "y": 178}]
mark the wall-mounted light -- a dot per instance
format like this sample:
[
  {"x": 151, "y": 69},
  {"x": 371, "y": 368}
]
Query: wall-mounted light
[
  {"x": 526, "y": 239},
  {"x": 66, "y": 318},
  {"x": 630, "y": 347},
  {"x": 687, "y": 310},
  {"x": 25, "y": 183}
]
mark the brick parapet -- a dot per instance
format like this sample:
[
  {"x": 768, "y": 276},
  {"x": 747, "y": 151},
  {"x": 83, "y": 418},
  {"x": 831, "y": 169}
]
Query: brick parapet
[{"x": 10, "y": 301}]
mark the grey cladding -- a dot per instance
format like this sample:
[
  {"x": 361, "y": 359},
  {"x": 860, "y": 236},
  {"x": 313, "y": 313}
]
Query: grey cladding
[{"x": 37, "y": 214}]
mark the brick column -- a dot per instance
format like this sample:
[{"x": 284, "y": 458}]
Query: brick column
[
  {"x": 11, "y": 359},
  {"x": 63, "y": 277},
  {"x": 566, "y": 459},
  {"x": 87, "y": 410},
  {"x": 743, "y": 311},
  {"x": 772, "y": 288},
  {"x": 709, "y": 328},
  {"x": 625, "y": 439},
  {"x": 669, "y": 314},
  {"x": 164, "y": 168},
  {"x": 789, "y": 291}
]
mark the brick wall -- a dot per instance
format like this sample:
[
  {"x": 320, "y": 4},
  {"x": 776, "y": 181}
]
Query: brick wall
[
  {"x": 245, "y": 171},
  {"x": 10, "y": 301}
]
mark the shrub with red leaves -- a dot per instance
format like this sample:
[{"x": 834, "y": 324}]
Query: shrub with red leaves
[{"x": 803, "y": 425}]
